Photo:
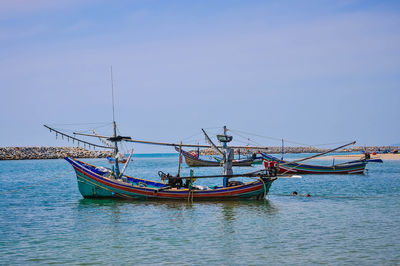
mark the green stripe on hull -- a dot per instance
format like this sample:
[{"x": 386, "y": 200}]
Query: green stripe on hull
[
  {"x": 258, "y": 193},
  {"x": 90, "y": 188},
  {"x": 94, "y": 189}
]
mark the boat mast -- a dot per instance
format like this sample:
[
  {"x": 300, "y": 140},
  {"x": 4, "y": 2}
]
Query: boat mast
[
  {"x": 180, "y": 160},
  {"x": 224, "y": 143},
  {"x": 116, "y": 165},
  {"x": 228, "y": 156}
]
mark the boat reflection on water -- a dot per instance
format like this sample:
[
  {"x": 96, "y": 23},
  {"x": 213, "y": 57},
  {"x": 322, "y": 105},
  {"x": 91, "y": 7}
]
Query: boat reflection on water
[{"x": 214, "y": 212}]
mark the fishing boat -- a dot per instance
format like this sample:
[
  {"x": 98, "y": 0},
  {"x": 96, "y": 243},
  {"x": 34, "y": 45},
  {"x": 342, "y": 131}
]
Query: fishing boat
[
  {"x": 255, "y": 159},
  {"x": 192, "y": 160},
  {"x": 121, "y": 159},
  {"x": 258, "y": 160},
  {"x": 100, "y": 182},
  {"x": 285, "y": 167}
]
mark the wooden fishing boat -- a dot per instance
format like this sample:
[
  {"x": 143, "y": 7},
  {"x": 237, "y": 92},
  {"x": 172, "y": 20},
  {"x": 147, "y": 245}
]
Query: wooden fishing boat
[
  {"x": 99, "y": 182},
  {"x": 353, "y": 167},
  {"x": 111, "y": 160},
  {"x": 256, "y": 160},
  {"x": 94, "y": 182},
  {"x": 193, "y": 161}
]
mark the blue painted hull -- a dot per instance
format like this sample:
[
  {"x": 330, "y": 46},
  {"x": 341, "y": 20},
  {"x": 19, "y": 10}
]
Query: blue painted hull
[
  {"x": 97, "y": 183},
  {"x": 355, "y": 167}
]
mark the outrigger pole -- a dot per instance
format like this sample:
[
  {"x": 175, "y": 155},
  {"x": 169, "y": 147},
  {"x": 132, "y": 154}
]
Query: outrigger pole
[
  {"x": 76, "y": 139},
  {"x": 319, "y": 154},
  {"x": 129, "y": 139},
  {"x": 212, "y": 143},
  {"x": 190, "y": 145}
]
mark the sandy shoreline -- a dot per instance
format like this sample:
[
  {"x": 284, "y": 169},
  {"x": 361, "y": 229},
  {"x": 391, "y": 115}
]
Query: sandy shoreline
[{"x": 383, "y": 156}]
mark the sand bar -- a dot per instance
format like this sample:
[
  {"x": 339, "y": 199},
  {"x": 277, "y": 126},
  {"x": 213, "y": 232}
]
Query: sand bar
[{"x": 383, "y": 156}]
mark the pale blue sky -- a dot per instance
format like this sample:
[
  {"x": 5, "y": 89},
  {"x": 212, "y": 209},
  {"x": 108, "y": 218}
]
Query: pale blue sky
[{"x": 309, "y": 71}]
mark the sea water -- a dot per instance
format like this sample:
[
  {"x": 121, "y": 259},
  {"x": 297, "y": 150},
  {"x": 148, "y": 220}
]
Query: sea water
[{"x": 349, "y": 219}]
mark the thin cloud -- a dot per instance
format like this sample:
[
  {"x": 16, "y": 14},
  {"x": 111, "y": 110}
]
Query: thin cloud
[
  {"x": 11, "y": 9},
  {"x": 311, "y": 73}
]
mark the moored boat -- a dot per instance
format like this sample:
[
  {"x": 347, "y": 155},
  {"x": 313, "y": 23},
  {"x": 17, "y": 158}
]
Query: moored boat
[
  {"x": 255, "y": 160},
  {"x": 111, "y": 160},
  {"x": 99, "y": 182},
  {"x": 194, "y": 161},
  {"x": 353, "y": 167}
]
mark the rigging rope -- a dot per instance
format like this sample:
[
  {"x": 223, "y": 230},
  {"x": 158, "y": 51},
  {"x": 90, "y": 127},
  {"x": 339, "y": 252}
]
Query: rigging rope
[
  {"x": 212, "y": 127},
  {"x": 286, "y": 140},
  {"x": 272, "y": 138},
  {"x": 215, "y": 148},
  {"x": 248, "y": 139},
  {"x": 93, "y": 128},
  {"x": 80, "y": 124},
  {"x": 187, "y": 138},
  {"x": 76, "y": 139},
  {"x": 106, "y": 142}
]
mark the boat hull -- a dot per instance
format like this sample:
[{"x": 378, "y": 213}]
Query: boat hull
[
  {"x": 356, "y": 167},
  {"x": 93, "y": 183},
  {"x": 111, "y": 160},
  {"x": 193, "y": 161}
]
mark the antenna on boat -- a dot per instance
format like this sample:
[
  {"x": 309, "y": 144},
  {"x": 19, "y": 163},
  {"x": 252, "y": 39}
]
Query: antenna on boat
[
  {"x": 112, "y": 92},
  {"x": 116, "y": 165}
]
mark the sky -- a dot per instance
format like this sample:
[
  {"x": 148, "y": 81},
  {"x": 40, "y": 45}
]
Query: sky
[{"x": 309, "y": 71}]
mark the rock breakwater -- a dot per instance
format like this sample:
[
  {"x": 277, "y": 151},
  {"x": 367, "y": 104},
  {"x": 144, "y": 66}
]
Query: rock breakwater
[
  {"x": 30, "y": 153},
  {"x": 277, "y": 150}
]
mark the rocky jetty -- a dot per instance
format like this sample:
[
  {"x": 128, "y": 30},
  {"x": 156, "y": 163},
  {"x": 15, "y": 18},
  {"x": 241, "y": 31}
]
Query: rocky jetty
[
  {"x": 278, "y": 150},
  {"x": 29, "y": 153}
]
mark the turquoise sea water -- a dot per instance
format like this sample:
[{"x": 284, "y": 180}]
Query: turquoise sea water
[{"x": 349, "y": 219}]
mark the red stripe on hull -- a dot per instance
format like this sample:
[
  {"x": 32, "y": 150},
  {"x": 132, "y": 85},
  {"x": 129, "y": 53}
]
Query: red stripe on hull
[
  {"x": 231, "y": 192},
  {"x": 300, "y": 171}
]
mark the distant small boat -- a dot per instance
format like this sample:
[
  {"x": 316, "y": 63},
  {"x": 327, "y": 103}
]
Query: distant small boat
[
  {"x": 374, "y": 161},
  {"x": 193, "y": 161},
  {"x": 256, "y": 160},
  {"x": 353, "y": 167},
  {"x": 111, "y": 160}
]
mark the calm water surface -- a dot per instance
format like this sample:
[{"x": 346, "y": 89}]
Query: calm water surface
[{"x": 349, "y": 219}]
